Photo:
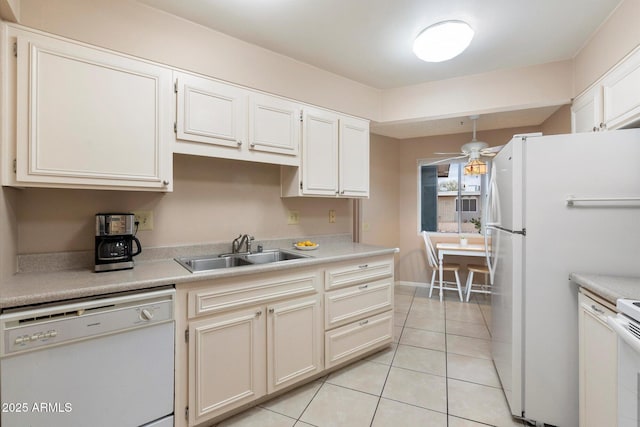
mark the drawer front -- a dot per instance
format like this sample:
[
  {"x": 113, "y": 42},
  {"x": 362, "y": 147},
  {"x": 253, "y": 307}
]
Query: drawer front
[
  {"x": 349, "y": 304},
  {"x": 352, "y": 274},
  {"x": 238, "y": 293},
  {"x": 348, "y": 342}
]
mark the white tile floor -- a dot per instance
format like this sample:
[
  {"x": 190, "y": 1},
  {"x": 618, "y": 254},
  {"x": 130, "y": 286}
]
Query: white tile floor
[{"x": 437, "y": 373}]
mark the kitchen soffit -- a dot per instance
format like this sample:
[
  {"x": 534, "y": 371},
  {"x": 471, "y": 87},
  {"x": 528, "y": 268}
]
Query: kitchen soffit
[{"x": 370, "y": 41}]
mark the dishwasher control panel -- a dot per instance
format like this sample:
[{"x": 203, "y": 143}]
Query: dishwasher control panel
[{"x": 45, "y": 327}]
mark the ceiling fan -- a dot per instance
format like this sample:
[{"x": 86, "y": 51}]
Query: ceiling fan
[{"x": 474, "y": 151}]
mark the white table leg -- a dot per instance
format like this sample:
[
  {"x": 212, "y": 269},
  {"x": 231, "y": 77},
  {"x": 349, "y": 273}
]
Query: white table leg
[{"x": 440, "y": 271}]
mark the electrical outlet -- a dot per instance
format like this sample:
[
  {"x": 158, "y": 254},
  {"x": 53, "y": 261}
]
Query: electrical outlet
[
  {"x": 332, "y": 216},
  {"x": 293, "y": 218},
  {"x": 144, "y": 219},
  {"x": 366, "y": 226}
]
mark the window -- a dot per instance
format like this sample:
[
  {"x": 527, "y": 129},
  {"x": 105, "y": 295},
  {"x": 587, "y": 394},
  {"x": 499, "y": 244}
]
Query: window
[
  {"x": 450, "y": 202},
  {"x": 468, "y": 205}
]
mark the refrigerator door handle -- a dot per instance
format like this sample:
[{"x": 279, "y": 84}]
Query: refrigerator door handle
[{"x": 493, "y": 207}]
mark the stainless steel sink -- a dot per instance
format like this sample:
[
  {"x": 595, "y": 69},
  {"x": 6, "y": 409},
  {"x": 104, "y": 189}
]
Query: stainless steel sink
[
  {"x": 201, "y": 263},
  {"x": 271, "y": 256}
]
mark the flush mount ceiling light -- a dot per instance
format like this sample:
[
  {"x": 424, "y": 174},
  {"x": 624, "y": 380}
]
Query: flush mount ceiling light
[{"x": 442, "y": 41}]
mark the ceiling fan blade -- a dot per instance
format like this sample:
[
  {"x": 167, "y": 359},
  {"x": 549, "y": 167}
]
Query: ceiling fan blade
[
  {"x": 448, "y": 159},
  {"x": 493, "y": 150}
]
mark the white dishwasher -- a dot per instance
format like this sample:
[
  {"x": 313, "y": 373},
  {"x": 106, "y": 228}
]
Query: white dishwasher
[
  {"x": 105, "y": 361},
  {"x": 627, "y": 325}
]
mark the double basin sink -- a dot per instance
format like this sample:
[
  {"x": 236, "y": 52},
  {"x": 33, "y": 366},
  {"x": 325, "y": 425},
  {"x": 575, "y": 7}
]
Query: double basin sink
[{"x": 201, "y": 263}]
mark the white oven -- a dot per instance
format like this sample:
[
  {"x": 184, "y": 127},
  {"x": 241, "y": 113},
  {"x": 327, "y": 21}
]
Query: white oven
[
  {"x": 627, "y": 325},
  {"x": 97, "y": 362}
]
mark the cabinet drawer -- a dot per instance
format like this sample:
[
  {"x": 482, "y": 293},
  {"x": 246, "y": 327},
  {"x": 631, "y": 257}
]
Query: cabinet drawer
[
  {"x": 347, "y": 342},
  {"x": 351, "y": 274},
  {"x": 347, "y": 305},
  {"x": 235, "y": 293}
]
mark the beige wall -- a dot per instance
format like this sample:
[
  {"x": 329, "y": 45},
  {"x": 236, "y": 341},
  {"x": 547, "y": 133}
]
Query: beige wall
[
  {"x": 503, "y": 90},
  {"x": 8, "y": 232},
  {"x": 137, "y": 29},
  {"x": 616, "y": 38},
  {"x": 213, "y": 200},
  {"x": 380, "y": 211},
  {"x": 412, "y": 263},
  {"x": 558, "y": 123}
]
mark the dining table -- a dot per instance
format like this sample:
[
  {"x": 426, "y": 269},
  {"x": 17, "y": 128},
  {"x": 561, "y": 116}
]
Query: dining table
[{"x": 458, "y": 249}]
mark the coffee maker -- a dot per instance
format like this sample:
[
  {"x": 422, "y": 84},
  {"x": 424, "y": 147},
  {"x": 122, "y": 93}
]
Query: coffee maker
[{"x": 114, "y": 241}]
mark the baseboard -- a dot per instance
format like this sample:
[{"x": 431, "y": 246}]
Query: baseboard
[{"x": 414, "y": 284}]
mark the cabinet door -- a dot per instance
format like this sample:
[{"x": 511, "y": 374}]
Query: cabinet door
[
  {"x": 621, "y": 93},
  {"x": 294, "y": 337},
  {"x": 586, "y": 111},
  {"x": 354, "y": 157},
  {"x": 319, "y": 153},
  {"x": 274, "y": 125},
  {"x": 90, "y": 118},
  {"x": 597, "y": 366},
  {"x": 226, "y": 362},
  {"x": 210, "y": 112}
]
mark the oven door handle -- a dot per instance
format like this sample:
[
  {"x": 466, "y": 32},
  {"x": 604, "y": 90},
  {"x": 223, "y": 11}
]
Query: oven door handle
[{"x": 618, "y": 325}]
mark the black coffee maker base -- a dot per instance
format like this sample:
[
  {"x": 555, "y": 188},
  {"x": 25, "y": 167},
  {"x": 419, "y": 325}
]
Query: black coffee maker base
[{"x": 114, "y": 266}]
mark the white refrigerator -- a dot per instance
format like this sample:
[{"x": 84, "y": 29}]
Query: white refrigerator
[{"x": 556, "y": 205}]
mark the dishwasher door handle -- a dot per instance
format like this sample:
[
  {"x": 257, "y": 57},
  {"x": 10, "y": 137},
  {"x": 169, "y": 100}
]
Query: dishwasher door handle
[{"x": 619, "y": 326}]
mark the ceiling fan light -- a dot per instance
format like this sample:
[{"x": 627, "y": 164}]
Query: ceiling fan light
[
  {"x": 475, "y": 167},
  {"x": 443, "y": 41}
]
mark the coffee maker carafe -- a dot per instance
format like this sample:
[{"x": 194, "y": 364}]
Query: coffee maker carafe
[{"x": 114, "y": 241}]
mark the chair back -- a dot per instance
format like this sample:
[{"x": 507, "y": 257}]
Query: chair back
[{"x": 431, "y": 252}]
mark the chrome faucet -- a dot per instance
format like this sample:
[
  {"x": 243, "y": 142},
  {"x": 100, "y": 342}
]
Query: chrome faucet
[{"x": 243, "y": 239}]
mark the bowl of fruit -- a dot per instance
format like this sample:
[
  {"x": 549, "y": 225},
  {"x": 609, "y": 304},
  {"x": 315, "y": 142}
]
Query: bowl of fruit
[{"x": 306, "y": 245}]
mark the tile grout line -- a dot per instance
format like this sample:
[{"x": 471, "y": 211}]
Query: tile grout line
[{"x": 392, "y": 358}]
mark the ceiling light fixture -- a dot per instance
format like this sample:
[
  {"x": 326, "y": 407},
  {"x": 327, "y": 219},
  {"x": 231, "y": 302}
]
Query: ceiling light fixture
[
  {"x": 443, "y": 41},
  {"x": 475, "y": 167}
]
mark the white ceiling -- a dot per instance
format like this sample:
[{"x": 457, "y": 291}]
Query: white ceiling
[{"x": 370, "y": 41}]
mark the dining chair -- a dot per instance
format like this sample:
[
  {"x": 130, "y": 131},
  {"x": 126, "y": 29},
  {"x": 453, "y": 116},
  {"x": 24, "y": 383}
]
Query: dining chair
[
  {"x": 433, "y": 263},
  {"x": 481, "y": 288}
]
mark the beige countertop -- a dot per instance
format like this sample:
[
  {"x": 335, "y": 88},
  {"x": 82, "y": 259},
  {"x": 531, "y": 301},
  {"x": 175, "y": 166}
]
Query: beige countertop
[
  {"x": 41, "y": 287},
  {"x": 609, "y": 287}
]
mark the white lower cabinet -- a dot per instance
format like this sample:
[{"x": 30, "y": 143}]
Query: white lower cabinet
[
  {"x": 226, "y": 362},
  {"x": 249, "y": 336},
  {"x": 294, "y": 347},
  {"x": 358, "y": 308},
  {"x": 597, "y": 365},
  {"x": 347, "y": 342}
]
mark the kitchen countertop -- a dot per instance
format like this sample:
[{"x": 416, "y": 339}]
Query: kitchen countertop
[
  {"x": 609, "y": 287},
  {"x": 41, "y": 287}
]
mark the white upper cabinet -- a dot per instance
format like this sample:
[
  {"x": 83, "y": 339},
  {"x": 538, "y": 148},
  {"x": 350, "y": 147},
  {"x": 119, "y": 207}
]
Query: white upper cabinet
[
  {"x": 88, "y": 118},
  {"x": 320, "y": 153},
  {"x": 613, "y": 102},
  {"x": 586, "y": 111},
  {"x": 621, "y": 93},
  {"x": 274, "y": 125},
  {"x": 218, "y": 119},
  {"x": 210, "y": 112},
  {"x": 354, "y": 157},
  {"x": 335, "y": 157}
]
